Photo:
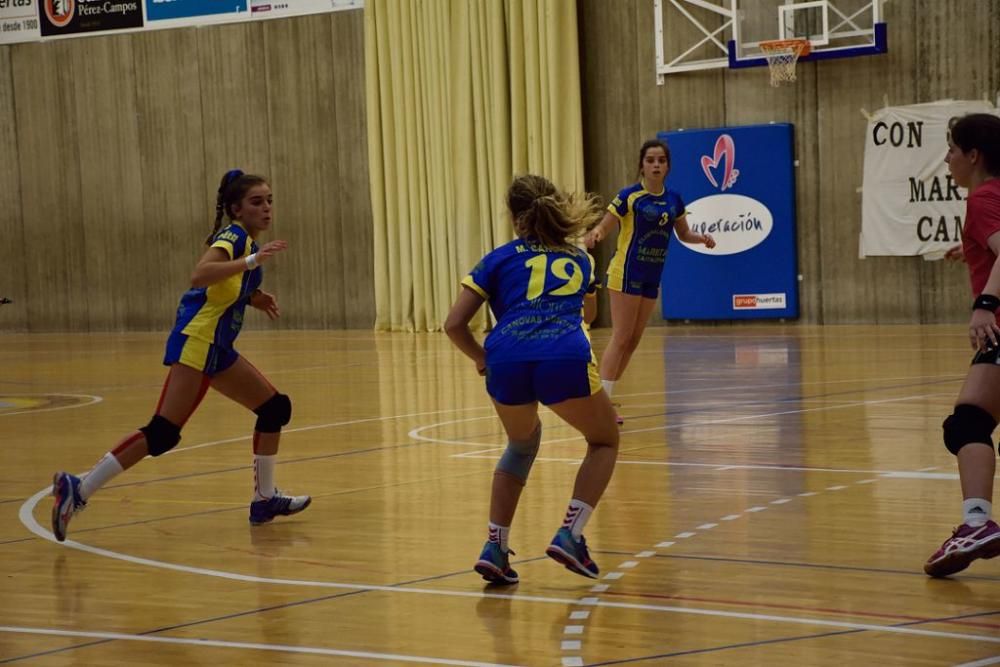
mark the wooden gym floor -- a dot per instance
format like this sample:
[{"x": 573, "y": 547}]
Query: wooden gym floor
[{"x": 778, "y": 490}]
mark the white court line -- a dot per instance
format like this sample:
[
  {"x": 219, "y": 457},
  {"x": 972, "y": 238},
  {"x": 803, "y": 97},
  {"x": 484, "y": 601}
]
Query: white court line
[
  {"x": 283, "y": 648},
  {"x": 94, "y": 400},
  {"x": 464, "y": 455},
  {"x": 901, "y": 474},
  {"x": 787, "y": 385},
  {"x": 416, "y": 433},
  {"x": 780, "y": 413},
  {"x": 570, "y": 645},
  {"x": 350, "y": 422},
  {"x": 995, "y": 660},
  {"x": 28, "y": 519}
]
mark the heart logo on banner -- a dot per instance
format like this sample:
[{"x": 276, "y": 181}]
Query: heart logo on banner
[{"x": 724, "y": 148}]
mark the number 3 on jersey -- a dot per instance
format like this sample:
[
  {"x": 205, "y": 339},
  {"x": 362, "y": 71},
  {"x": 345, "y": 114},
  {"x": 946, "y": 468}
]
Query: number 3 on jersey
[{"x": 539, "y": 266}]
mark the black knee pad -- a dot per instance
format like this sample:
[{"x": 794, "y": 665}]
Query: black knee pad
[
  {"x": 968, "y": 423},
  {"x": 162, "y": 435},
  {"x": 273, "y": 414}
]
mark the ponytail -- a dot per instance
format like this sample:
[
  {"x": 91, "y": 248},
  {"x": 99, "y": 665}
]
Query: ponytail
[
  {"x": 222, "y": 201},
  {"x": 554, "y": 218},
  {"x": 234, "y": 186}
]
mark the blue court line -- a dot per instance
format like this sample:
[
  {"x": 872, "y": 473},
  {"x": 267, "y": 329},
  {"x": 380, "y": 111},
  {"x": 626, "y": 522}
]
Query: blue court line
[
  {"x": 788, "y": 399},
  {"x": 242, "y": 507},
  {"x": 251, "y": 612},
  {"x": 819, "y": 566},
  {"x": 351, "y": 452},
  {"x": 764, "y": 642},
  {"x": 418, "y": 444}
]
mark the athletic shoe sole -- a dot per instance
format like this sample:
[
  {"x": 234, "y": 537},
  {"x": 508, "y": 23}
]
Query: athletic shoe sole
[
  {"x": 569, "y": 561},
  {"x": 261, "y": 522},
  {"x": 492, "y": 573},
  {"x": 957, "y": 561},
  {"x": 62, "y": 506}
]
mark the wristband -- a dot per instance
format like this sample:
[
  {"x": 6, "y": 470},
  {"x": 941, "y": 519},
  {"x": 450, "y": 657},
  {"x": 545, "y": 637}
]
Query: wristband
[
  {"x": 986, "y": 302},
  {"x": 252, "y": 264}
]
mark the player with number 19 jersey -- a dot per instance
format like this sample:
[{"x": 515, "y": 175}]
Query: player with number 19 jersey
[{"x": 536, "y": 295}]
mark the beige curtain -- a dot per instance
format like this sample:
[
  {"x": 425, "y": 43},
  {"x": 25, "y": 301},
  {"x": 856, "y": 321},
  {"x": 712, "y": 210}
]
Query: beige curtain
[{"x": 462, "y": 95}]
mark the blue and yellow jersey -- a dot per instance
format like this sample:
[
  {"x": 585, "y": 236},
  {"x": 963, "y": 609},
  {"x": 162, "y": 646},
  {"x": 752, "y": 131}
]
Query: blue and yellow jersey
[
  {"x": 647, "y": 221},
  {"x": 536, "y": 295},
  {"x": 214, "y": 314}
]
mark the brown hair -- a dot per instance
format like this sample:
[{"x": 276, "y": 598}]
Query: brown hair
[
  {"x": 652, "y": 143},
  {"x": 234, "y": 186},
  {"x": 982, "y": 132},
  {"x": 552, "y": 217}
]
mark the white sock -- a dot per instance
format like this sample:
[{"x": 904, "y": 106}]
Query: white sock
[
  {"x": 103, "y": 472},
  {"x": 577, "y": 515},
  {"x": 609, "y": 386},
  {"x": 976, "y": 511},
  {"x": 263, "y": 476},
  {"x": 500, "y": 535}
]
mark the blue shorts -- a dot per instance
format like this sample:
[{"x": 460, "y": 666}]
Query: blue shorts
[
  {"x": 637, "y": 287},
  {"x": 199, "y": 355},
  {"x": 553, "y": 381}
]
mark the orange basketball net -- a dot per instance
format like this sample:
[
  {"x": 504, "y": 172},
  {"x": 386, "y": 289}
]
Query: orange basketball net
[{"x": 782, "y": 54}]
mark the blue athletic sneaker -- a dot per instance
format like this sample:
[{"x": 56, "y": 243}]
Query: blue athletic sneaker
[
  {"x": 263, "y": 511},
  {"x": 494, "y": 565},
  {"x": 66, "y": 489},
  {"x": 574, "y": 555}
]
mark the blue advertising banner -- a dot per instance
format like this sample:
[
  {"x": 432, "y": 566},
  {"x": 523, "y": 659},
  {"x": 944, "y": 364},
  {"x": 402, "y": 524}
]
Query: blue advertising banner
[
  {"x": 738, "y": 184},
  {"x": 159, "y": 10}
]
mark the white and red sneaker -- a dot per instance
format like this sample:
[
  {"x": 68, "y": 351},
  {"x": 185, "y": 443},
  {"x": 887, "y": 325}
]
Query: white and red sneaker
[{"x": 965, "y": 545}]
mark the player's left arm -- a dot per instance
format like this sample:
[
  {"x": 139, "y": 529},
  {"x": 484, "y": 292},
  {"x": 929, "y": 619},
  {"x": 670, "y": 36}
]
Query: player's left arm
[
  {"x": 590, "y": 307},
  {"x": 983, "y": 327},
  {"x": 266, "y": 302},
  {"x": 457, "y": 326},
  {"x": 590, "y": 296},
  {"x": 685, "y": 234}
]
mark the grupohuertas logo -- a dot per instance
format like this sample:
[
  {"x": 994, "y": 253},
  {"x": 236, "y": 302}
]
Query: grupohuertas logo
[
  {"x": 736, "y": 222},
  {"x": 59, "y": 12}
]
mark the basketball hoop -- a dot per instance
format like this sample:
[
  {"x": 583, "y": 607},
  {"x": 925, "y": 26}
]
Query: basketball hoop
[{"x": 782, "y": 54}]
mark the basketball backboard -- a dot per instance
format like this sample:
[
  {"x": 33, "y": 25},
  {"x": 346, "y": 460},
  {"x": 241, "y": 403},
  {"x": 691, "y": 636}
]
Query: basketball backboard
[{"x": 728, "y": 33}]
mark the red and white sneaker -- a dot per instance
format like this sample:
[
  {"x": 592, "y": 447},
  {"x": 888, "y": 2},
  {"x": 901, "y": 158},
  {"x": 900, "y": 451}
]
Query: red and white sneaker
[{"x": 965, "y": 545}]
